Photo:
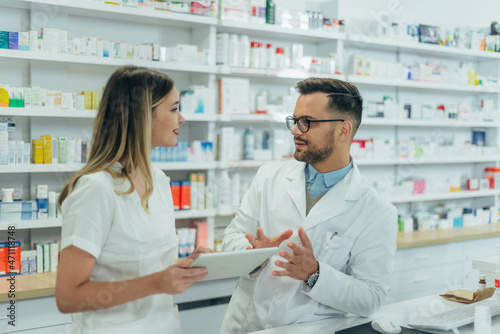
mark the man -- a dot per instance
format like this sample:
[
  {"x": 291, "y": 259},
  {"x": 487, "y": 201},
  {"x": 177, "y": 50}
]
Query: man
[{"x": 336, "y": 234}]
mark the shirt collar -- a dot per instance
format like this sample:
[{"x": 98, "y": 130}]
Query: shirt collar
[{"x": 329, "y": 178}]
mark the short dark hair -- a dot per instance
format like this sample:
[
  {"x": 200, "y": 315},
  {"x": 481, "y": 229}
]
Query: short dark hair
[{"x": 344, "y": 97}]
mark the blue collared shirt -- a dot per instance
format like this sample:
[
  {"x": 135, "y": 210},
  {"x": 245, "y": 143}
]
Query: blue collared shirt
[{"x": 319, "y": 183}]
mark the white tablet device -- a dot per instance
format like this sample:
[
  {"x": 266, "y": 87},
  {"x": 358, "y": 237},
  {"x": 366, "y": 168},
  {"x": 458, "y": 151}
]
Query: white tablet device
[{"x": 232, "y": 264}]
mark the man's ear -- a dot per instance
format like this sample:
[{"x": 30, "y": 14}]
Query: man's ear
[{"x": 345, "y": 131}]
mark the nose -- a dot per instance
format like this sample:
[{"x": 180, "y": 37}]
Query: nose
[
  {"x": 296, "y": 131},
  {"x": 181, "y": 119}
]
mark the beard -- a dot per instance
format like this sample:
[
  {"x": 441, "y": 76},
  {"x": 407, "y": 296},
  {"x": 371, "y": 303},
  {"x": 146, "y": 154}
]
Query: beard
[{"x": 314, "y": 154}]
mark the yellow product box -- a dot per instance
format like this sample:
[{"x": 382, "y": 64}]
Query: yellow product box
[
  {"x": 47, "y": 149},
  {"x": 88, "y": 99},
  {"x": 4, "y": 97},
  {"x": 95, "y": 100},
  {"x": 37, "y": 151}
]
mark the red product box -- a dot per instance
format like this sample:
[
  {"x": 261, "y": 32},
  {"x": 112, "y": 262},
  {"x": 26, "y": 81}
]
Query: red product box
[
  {"x": 185, "y": 203},
  {"x": 201, "y": 7},
  {"x": 176, "y": 194},
  {"x": 3, "y": 257},
  {"x": 14, "y": 257}
]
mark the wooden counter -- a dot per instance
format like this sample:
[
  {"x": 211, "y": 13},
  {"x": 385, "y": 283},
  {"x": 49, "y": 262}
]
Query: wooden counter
[
  {"x": 437, "y": 237},
  {"x": 41, "y": 285},
  {"x": 29, "y": 286}
]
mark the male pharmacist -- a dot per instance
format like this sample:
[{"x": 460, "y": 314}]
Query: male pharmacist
[{"x": 336, "y": 234}]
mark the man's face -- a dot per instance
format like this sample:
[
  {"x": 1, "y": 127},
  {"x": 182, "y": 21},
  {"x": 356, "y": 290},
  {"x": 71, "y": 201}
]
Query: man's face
[{"x": 317, "y": 144}]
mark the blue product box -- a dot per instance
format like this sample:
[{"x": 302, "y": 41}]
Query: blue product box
[
  {"x": 478, "y": 137},
  {"x": 13, "y": 40},
  {"x": 18, "y": 206},
  {"x": 458, "y": 222},
  {"x": 42, "y": 207}
]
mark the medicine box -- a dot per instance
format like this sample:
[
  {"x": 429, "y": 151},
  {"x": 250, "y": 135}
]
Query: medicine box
[
  {"x": 428, "y": 34},
  {"x": 37, "y": 151},
  {"x": 27, "y": 206},
  {"x": 15, "y": 216}
]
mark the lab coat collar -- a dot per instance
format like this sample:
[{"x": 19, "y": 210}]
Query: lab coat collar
[{"x": 348, "y": 189}]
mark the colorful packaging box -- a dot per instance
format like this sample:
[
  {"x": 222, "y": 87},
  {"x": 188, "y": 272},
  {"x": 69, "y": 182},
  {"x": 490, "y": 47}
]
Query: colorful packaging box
[{"x": 37, "y": 151}]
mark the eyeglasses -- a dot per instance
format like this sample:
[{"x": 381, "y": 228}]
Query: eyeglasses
[{"x": 304, "y": 123}]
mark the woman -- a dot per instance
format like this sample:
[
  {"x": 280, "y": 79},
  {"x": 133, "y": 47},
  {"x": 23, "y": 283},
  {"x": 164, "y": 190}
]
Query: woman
[{"x": 116, "y": 273}]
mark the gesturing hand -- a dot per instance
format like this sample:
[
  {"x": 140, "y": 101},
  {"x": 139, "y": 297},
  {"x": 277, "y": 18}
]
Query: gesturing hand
[
  {"x": 264, "y": 242},
  {"x": 301, "y": 261}
]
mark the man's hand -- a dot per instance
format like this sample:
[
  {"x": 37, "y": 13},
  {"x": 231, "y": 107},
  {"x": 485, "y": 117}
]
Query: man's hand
[
  {"x": 264, "y": 242},
  {"x": 301, "y": 261}
]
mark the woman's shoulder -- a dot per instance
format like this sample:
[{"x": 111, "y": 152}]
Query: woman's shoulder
[
  {"x": 159, "y": 175},
  {"x": 100, "y": 180}
]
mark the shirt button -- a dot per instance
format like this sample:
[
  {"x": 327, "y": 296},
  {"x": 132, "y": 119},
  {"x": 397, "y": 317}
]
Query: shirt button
[
  {"x": 276, "y": 297},
  {"x": 269, "y": 326}
]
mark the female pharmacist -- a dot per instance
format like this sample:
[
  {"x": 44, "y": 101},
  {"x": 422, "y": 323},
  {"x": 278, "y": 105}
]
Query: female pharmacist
[{"x": 116, "y": 272}]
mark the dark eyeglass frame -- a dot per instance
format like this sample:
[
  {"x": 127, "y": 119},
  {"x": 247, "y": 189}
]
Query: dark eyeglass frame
[{"x": 291, "y": 119}]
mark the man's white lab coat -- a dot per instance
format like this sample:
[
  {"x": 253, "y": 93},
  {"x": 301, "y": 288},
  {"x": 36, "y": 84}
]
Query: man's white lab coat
[{"x": 353, "y": 233}]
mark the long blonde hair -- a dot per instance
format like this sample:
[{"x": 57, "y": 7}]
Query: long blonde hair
[{"x": 122, "y": 127}]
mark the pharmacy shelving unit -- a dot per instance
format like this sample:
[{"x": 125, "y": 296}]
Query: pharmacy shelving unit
[
  {"x": 428, "y": 93},
  {"x": 77, "y": 73}
]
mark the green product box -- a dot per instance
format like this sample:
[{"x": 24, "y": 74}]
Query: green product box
[{"x": 4, "y": 39}]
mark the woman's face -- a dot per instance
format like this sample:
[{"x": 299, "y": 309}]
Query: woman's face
[{"x": 166, "y": 121}]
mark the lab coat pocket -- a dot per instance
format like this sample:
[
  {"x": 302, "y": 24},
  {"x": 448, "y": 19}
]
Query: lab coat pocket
[
  {"x": 335, "y": 250},
  {"x": 236, "y": 320}
]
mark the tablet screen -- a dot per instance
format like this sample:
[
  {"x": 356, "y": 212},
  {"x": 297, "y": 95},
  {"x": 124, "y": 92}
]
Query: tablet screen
[{"x": 232, "y": 264}]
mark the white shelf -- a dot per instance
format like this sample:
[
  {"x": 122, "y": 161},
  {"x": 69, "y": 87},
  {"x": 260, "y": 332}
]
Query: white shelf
[
  {"x": 192, "y": 214},
  {"x": 27, "y": 224},
  {"x": 198, "y": 165},
  {"x": 267, "y": 31},
  {"x": 200, "y": 117},
  {"x": 252, "y": 118},
  {"x": 444, "y": 196},
  {"x": 94, "y": 9},
  {"x": 45, "y": 112},
  {"x": 427, "y": 123},
  {"x": 244, "y": 164},
  {"x": 390, "y": 45},
  {"x": 366, "y": 80},
  {"x": 115, "y": 62},
  {"x": 286, "y": 73},
  {"x": 40, "y": 168},
  {"x": 424, "y": 161}
]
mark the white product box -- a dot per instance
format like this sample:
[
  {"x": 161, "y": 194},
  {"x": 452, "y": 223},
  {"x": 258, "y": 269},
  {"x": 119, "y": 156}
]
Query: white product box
[{"x": 234, "y": 96}]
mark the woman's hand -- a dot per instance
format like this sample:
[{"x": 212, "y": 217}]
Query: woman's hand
[
  {"x": 200, "y": 250},
  {"x": 178, "y": 278}
]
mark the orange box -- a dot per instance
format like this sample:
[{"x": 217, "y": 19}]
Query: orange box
[
  {"x": 185, "y": 195},
  {"x": 14, "y": 257},
  {"x": 3, "y": 257},
  {"x": 176, "y": 194}
]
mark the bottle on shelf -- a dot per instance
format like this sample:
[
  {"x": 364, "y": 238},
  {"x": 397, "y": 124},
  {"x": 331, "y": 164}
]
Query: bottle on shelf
[
  {"x": 248, "y": 144},
  {"x": 482, "y": 281}
]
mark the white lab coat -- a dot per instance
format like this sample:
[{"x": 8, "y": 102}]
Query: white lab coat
[
  {"x": 127, "y": 243},
  {"x": 355, "y": 265}
]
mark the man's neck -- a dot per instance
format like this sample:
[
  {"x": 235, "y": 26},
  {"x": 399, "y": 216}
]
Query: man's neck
[{"x": 333, "y": 163}]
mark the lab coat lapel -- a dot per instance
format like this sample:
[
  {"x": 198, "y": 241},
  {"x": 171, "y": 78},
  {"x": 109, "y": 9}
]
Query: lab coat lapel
[
  {"x": 336, "y": 200},
  {"x": 296, "y": 188}
]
